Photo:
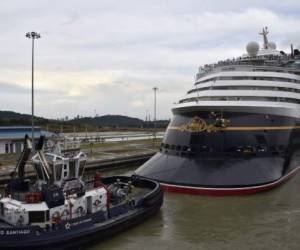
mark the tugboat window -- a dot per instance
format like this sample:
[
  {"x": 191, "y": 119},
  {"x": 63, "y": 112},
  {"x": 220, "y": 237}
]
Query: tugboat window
[
  {"x": 36, "y": 216},
  {"x": 81, "y": 168},
  {"x": 39, "y": 171},
  {"x": 58, "y": 171},
  {"x": 72, "y": 169}
]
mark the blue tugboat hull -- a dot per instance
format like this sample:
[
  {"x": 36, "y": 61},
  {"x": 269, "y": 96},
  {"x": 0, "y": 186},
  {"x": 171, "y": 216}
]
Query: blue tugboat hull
[{"x": 95, "y": 227}]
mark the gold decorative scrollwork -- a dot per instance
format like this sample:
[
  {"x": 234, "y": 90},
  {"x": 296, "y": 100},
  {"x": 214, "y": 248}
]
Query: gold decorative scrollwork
[
  {"x": 195, "y": 125},
  {"x": 198, "y": 124}
]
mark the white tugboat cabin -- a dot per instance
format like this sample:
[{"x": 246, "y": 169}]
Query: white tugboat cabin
[{"x": 58, "y": 194}]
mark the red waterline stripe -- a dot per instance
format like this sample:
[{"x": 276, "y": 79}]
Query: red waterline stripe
[{"x": 227, "y": 191}]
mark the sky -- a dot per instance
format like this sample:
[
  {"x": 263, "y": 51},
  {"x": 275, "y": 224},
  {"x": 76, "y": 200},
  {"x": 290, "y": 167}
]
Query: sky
[{"x": 98, "y": 57}]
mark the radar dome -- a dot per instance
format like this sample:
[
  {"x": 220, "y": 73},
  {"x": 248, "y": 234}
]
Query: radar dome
[
  {"x": 252, "y": 48},
  {"x": 271, "y": 45}
]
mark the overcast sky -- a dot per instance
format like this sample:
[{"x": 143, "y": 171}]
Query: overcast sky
[{"x": 104, "y": 57}]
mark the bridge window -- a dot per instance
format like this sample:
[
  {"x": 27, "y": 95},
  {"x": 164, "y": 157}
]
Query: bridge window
[
  {"x": 58, "y": 171},
  {"x": 72, "y": 169},
  {"x": 81, "y": 168},
  {"x": 39, "y": 171}
]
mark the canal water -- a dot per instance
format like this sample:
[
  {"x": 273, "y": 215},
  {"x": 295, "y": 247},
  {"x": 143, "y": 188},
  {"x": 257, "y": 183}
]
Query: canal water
[{"x": 269, "y": 220}]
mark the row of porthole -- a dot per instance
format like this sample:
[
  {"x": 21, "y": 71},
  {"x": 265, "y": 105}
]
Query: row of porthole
[
  {"x": 176, "y": 147},
  {"x": 241, "y": 98},
  {"x": 238, "y": 149}
]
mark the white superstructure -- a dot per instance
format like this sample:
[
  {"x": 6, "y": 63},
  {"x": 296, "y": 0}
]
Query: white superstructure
[{"x": 265, "y": 81}]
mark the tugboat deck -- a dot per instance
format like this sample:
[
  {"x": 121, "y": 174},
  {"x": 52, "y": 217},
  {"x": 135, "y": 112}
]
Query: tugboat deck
[{"x": 3, "y": 224}]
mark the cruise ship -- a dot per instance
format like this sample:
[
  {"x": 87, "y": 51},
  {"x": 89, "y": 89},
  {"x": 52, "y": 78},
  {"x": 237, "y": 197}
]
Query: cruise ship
[{"x": 237, "y": 129}]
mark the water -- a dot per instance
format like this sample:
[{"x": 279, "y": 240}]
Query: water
[{"x": 268, "y": 220}]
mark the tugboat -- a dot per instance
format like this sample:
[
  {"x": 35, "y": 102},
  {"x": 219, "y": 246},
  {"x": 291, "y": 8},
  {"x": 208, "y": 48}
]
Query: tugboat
[{"x": 60, "y": 209}]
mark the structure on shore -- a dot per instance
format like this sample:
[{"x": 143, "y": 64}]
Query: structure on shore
[{"x": 12, "y": 138}]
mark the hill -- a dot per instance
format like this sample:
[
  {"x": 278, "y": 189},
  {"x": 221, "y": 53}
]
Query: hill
[
  {"x": 109, "y": 121},
  {"x": 10, "y": 118}
]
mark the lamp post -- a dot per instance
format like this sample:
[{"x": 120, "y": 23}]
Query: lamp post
[
  {"x": 154, "y": 116},
  {"x": 32, "y": 35}
]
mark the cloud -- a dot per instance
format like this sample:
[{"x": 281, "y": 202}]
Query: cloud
[
  {"x": 107, "y": 55},
  {"x": 138, "y": 103},
  {"x": 12, "y": 88}
]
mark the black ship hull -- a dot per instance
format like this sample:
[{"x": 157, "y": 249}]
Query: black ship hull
[
  {"x": 73, "y": 234},
  {"x": 225, "y": 154}
]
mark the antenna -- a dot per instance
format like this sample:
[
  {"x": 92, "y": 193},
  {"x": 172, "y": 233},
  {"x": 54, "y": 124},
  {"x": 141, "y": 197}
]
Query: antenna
[{"x": 264, "y": 33}]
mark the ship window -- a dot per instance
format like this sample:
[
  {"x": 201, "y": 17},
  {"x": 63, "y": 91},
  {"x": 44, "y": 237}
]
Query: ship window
[
  {"x": 260, "y": 149},
  {"x": 173, "y": 147},
  {"x": 184, "y": 148},
  {"x": 167, "y": 145},
  {"x": 6, "y": 148},
  {"x": 178, "y": 148},
  {"x": 36, "y": 216},
  {"x": 261, "y": 139},
  {"x": 204, "y": 149}
]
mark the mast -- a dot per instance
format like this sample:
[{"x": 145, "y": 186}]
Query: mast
[{"x": 264, "y": 33}]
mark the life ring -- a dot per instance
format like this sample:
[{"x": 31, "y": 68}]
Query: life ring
[{"x": 97, "y": 203}]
